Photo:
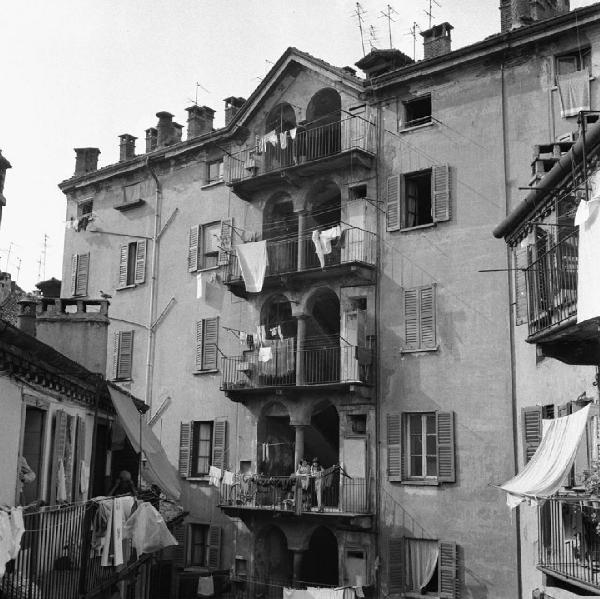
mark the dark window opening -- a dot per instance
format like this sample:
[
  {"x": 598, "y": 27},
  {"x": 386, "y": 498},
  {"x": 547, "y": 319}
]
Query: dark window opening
[
  {"x": 417, "y": 112},
  {"x": 358, "y": 423},
  {"x": 579, "y": 60},
  {"x": 548, "y": 411},
  {"x": 201, "y": 448},
  {"x": 198, "y": 544},
  {"x": 417, "y": 204},
  {"x": 85, "y": 208},
  {"x": 215, "y": 171},
  {"x": 358, "y": 192},
  {"x": 131, "y": 254}
]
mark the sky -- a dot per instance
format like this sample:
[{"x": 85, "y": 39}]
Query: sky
[{"x": 79, "y": 73}]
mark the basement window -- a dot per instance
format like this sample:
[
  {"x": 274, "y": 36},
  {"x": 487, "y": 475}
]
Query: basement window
[{"x": 417, "y": 112}]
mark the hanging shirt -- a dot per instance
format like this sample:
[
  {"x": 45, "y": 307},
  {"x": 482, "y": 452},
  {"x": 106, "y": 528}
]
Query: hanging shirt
[
  {"x": 228, "y": 478},
  {"x": 283, "y": 139},
  {"x": 206, "y": 587},
  {"x": 17, "y": 528},
  {"x": 84, "y": 478},
  {"x": 214, "y": 476},
  {"x": 6, "y": 542},
  {"x": 293, "y": 133},
  {"x": 253, "y": 261},
  {"x": 61, "y": 483},
  {"x": 243, "y": 338},
  {"x": 316, "y": 239},
  {"x": 328, "y": 236}
]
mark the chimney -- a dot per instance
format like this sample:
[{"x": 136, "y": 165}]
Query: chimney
[
  {"x": 86, "y": 160},
  {"x": 232, "y": 106},
  {"x": 151, "y": 139},
  {"x": 378, "y": 62},
  {"x": 200, "y": 120},
  {"x": 518, "y": 13},
  {"x": 164, "y": 128},
  {"x": 437, "y": 41},
  {"x": 26, "y": 315},
  {"x": 177, "y": 132},
  {"x": 76, "y": 328},
  {"x": 49, "y": 288},
  {"x": 349, "y": 70},
  {"x": 126, "y": 147}
]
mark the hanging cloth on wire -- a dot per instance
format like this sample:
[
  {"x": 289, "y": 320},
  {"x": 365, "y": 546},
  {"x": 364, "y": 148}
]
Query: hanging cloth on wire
[{"x": 253, "y": 264}]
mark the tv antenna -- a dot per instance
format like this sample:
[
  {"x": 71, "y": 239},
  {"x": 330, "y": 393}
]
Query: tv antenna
[
  {"x": 429, "y": 13},
  {"x": 372, "y": 37},
  {"x": 18, "y": 270},
  {"x": 42, "y": 260},
  {"x": 358, "y": 13},
  {"x": 413, "y": 32},
  {"x": 388, "y": 15}
]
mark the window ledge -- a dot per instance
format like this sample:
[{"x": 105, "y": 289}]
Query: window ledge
[
  {"x": 421, "y": 483},
  {"x": 212, "y": 371},
  {"x": 414, "y": 595},
  {"x": 198, "y": 479},
  {"x": 127, "y": 287},
  {"x": 121, "y": 380},
  {"x": 208, "y": 268},
  {"x": 416, "y": 127},
  {"x": 129, "y": 205},
  {"x": 425, "y": 226},
  {"x": 213, "y": 184},
  {"x": 417, "y": 351}
]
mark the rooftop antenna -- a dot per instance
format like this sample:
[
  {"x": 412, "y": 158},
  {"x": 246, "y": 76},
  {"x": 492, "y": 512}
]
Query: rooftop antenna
[
  {"x": 18, "y": 270},
  {"x": 42, "y": 260},
  {"x": 199, "y": 85},
  {"x": 429, "y": 13},
  {"x": 388, "y": 15},
  {"x": 372, "y": 37},
  {"x": 8, "y": 255},
  {"x": 358, "y": 13},
  {"x": 413, "y": 32}
]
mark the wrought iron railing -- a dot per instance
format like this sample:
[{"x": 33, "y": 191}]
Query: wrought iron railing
[
  {"x": 310, "y": 144},
  {"x": 334, "y": 494},
  {"x": 298, "y": 254},
  {"x": 318, "y": 366},
  {"x": 569, "y": 539},
  {"x": 552, "y": 285}
]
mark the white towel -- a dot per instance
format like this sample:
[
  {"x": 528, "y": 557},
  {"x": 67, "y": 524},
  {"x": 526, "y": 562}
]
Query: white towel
[
  {"x": 61, "y": 482},
  {"x": 574, "y": 92},
  {"x": 328, "y": 236},
  {"x": 199, "y": 285},
  {"x": 293, "y": 133},
  {"x": 214, "y": 476},
  {"x": 206, "y": 587},
  {"x": 264, "y": 354},
  {"x": 283, "y": 139},
  {"x": 253, "y": 264}
]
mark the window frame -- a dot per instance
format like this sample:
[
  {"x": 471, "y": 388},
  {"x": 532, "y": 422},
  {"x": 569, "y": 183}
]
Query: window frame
[
  {"x": 419, "y": 121},
  {"x": 424, "y": 454},
  {"x": 207, "y": 345},
  {"x": 422, "y": 319},
  {"x": 220, "y": 171},
  {"x": 195, "y": 449},
  {"x": 197, "y": 246},
  {"x": 80, "y": 274},
  {"x": 132, "y": 264},
  {"x": 582, "y": 58},
  {"x": 408, "y": 178},
  {"x": 83, "y": 203},
  {"x": 193, "y": 528}
]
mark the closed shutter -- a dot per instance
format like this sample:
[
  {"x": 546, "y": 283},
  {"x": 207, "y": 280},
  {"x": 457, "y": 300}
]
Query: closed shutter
[
  {"x": 73, "y": 274},
  {"x": 411, "y": 319},
  {"x": 396, "y": 565},
  {"x": 225, "y": 245},
  {"x": 394, "y": 447},
  {"x": 83, "y": 267},
  {"x": 447, "y": 578},
  {"x": 124, "y": 355},
  {"x": 209, "y": 348},
  {"x": 440, "y": 193},
  {"x": 520, "y": 263},
  {"x": 79, "y": 457},
  {"x": 185, "y": 448},
  {"x": 392, "y": 204},
  {"x": 193, "y": 248},
  {"x": 199, "y": 344},
  {"x": 445, "y": 447},
  {"x": 213, "y": 557},
  {"x": 123, "y": 255},
  {"x": 219, "y": 448},
  {"x": 427, "y": 327},
  {"x": 58, "y": 450},
  {"x": 140, "y": 262},
  {"x": 179, "y": 552},
  {"x": 531, "y": 421}
]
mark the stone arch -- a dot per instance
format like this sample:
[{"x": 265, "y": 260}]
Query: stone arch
[
  {"x": 281, "y": 118},
  {"x": 325, "y": 107},
  {"x": 320, "y": 563},
  {"x": 323, "y": 204},
  {"x": 272, "y": 557},
  {"x": 323, "y": 124},
  {"x": 275, "y": 440},
  {"x": 277, "y": 311}
]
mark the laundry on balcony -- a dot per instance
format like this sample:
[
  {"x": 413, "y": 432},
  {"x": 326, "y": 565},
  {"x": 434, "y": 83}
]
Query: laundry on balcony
[
  {"x": 588, "y": 282},
  {"x": 11, "y": 533},
  {"x": 574, "y": 92},
  {"x": 277, "y": 357},
  {"x": 545, "y": 473},
  {"x": 322, "y": 242},
  {"x": 253, "y": 261}
]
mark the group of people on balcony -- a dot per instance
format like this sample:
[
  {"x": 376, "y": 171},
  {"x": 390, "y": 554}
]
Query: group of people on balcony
[{"x": 311, "y": 481}]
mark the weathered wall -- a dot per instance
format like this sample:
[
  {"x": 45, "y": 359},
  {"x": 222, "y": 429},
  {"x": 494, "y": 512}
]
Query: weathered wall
[{"x": 10, "y": 432}]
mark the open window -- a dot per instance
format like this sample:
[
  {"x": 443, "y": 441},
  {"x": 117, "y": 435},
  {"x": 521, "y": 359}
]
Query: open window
[
  {"x": 573, "y": 62},
  {"x": 132, "y": 264},
  {"x": 417, "y": 111},
  {"x": 202, "y": 444},
  {"x": 214, "y": 171}
]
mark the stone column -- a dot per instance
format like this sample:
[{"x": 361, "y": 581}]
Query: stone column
[
  {"x": 300, "y": 336},
  {"x": 299, "y": 447},
  {"x": 297, "y": 567},
  {"x": 302, "y": 241}
]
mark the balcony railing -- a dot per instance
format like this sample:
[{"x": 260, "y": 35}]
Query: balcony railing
[
  {"x": 568, "y": 539},
  {"x": 318, "y": 366},
  {"x": 298, "y": 254},
  {"x": 552, "y": 285},
  {"x": 285, "y": 494},
  {"x": 309, "y": 145}
]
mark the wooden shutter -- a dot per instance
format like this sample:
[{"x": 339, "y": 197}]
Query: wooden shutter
[
  {"x": 179, "y": 553},
  {"x": 193, "y": 248},
  {"x": 73, "y": 274},
  {"x": 80, "y": 457},
  {"x": 519, "y": 264},
  {"x": 411, "y": 319},
  {"x": 447, "y": 578},
  {"x": 209, "y": 346},
  {"x": 225, "y": 245},
  {"x": 440, "y": 193},
  {"x": 445, "y": 447},
  {"x": 531, "y": 421},
  {"x": 396, "y": 565},
  {"x": 140, "y": 262},
  {"x": 123, "y": 256},
  {"x": 199, "y": 343},
  {"x": 83, "y": 267},
  {"x": 124, "y": 357},
  {"x": 394, "y": 447},
  {"x": 213, "y": 557},
  {"x": 219, "y": 448},
  {"x": 427, "y": 336},
  {"x": 58, "y": 450},
  {"x": 185, "y": 448},
  {"x": 392, "y": 203}
]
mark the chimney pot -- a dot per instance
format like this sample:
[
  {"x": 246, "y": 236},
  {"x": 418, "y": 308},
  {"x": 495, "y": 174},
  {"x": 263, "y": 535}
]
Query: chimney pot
[
  {"x": 151, "y": 139},
  {"x": 518, "y": 13},
  {"x": 126, "y": 147},
  {"x": 437, "y": 41},
  {"x": 200, "y": 120},
  {"x": 86, "y": 160},
  {"x": 165, "y": 129},
  {"x": 177, "y": 132},
  {"x": 232, "y": 107},
  {"x": 26, "y": 315}
]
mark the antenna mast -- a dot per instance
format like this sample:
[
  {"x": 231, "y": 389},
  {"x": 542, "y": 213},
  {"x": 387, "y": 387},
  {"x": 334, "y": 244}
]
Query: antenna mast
[
  {"x": 388, "y": 15},
  {"x": 358, "y": 13},
  {"x": 429, "y": 13}
]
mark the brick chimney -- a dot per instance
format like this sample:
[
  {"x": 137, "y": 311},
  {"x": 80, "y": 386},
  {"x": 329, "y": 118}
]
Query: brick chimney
[
  {"x": 151, "y": 139},
  {"x": 126, "y": 147},
  {"x": 200, "y": 120},
  {"x": 165, "y": 129},
  {"x": 232, "y": 106},
  {"x": 177, "y": 132},
  {"x": 26, "y": 315},
  {"x": 437, "y": 41},
  {"x": 518, "y": 13},
  {"x": 86, "y": 160}
]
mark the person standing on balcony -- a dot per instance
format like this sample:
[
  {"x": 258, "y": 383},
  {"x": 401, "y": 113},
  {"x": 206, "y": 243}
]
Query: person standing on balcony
[
  {"x": 303, "y": 478},
  {"x": 316, "y": 471}
]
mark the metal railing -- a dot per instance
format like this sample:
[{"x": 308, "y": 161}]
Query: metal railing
[
  {"x": 552, "y": 285},
  {"x": 318, "y": 366},
  {"x": 310, "y": 144},
  {"x": 57, "y": 560},
  {"x": 334, "y": 494},
  {"x": 568, "y": 539},
  {"x": 298, "y": 254}
]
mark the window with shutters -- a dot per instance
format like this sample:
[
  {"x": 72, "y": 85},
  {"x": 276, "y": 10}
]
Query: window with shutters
[
  {"x": 132, "y": 264},
  {"x": 209, "y": 245},
  {"x": 207, "y": 337},
  {"x": 420, "y": 318},
  {"x": 214, "y": 171},
  {"x": 417, "y": 112},
  {"x": 202, "y": 444},
  {"x": 201, "y": 448},
  {"x": 197, "y": 545},
  {"x": 123, "y": 355},
  {"x": 80, "y": 268}
]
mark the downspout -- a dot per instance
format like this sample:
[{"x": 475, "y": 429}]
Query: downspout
[
  {"x": 511, "y": 333},
  {"x": 153, "y": 288}
]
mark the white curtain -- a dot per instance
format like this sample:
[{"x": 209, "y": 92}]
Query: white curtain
[{"x": 421, "y": 560}]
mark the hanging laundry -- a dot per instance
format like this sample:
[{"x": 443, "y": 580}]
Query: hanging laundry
[
  {"x": 273, "y": 331},
  {"x": 61, "y": 483},
  {"x": 283, "y": 139},
  {"x": 84, "y": 478},
  {"x": 117, "y": 532},
  {"x": 206, "y": 586},
  {"x": 243, "y": 338},
  {"x": 228, "y": 478},
  {"x": 272, "y": 138},
  {"x": 261, "y": 334},
  {"x": 5, "y": 541},
  {"x": 214, "y": 476},
  {"x": 17, "y": 529},
  {"x": 574, "y": 93},
  {"x": 588, "y": 283},
  {"x": 328, "y": 236},
  {"x": 107, "y": 538},
  {"x": 293, "y": 133},
  {"x": 316, "y": 239},
  {"x": 147, "y": 530},
  {"x": 279, "y": 332},
  {"x": 250, "y": 340},
  {"x": 359, "y": 592},
  {"x": 264, "y": 354},
  {"x": 199, "y": 285},
  {"x": 253, "y": 261},
  {"x": 295, "y": 594}
]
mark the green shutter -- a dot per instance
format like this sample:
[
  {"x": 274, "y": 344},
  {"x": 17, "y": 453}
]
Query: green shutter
[
  {"x": 140, "y": 262},
  {"x": 225, "y": 244},
  {"x": 427, "y": 336},
  {"x": 58, "y": 450},
  {"x": 123, "y": 256},
  {"x": 185, "y": 445},
  {"x": 411, "y": 319},
  {"x": 83, "y": 266},
  {"x": 392, "y": 204},
  {"x": 396, "y": 565},
  {"x": 213, "y": 558},
  {"x": 210, "y": 341},
  {"x": 445, "y": 447},
  {"x": 219, "y": 448},
  {"x": 124, "y": 355},
  {"x": 440, "y": 193},
  {"x": 531, "y": 421},
  {"x": 394, "y": 447},
  {"x": 73, "y": 274},
  {"x": 519, "y": 264},
  {"x": 447, "y": 578},
  {"x": 194, "y": 239}
]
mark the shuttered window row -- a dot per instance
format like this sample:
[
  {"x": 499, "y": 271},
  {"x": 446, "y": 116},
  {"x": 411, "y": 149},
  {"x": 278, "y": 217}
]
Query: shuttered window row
[
  {"x": 194, "y": 456},
  {"x": 209, "y": 245},
  {"x": 122, "y": 355},
  {"x": 207, "y": 338},
  {"x": 420, "y": 318},
  {"x": 426, "y": 455},
  {"x": 80, "y": 267}
]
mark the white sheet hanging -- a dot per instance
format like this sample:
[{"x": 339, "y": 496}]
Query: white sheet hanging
[
  {"x": 253, "y": 264},
  {"x": 574, "y": 92}
]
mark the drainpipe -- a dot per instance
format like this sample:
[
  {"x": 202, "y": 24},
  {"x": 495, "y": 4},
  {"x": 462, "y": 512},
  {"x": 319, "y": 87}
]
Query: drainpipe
[
  {"x": 511, "y": 332},
  {"x": 153, "y": 288}
]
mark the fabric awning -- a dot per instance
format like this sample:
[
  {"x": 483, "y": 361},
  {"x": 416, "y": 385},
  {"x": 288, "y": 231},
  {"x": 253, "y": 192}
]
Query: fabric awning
[
  {"x": 544, "y": 475},
  {"x": 158, "y": 469}
]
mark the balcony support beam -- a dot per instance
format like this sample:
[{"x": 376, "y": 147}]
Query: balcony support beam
[
  {"x": 300, "y": 339},
  {"x": 299, "y": 443}
]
